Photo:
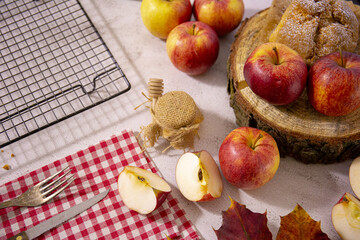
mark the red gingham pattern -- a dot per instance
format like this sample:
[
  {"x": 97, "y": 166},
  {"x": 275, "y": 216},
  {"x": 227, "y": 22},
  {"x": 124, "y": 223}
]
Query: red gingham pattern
[{"x": 96, "y": 169}]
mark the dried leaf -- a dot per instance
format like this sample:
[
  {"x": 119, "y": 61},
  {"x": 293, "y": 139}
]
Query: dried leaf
[
  {"x": 241, "y": 223},
  {"x": 6, "y": 167},
  {"x": 298, "y": 225}
]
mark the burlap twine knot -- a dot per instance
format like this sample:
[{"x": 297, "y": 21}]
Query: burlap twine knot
[{"x": 176, "y": 118}]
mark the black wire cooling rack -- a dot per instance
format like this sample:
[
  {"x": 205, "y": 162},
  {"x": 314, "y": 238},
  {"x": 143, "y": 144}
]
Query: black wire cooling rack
[{"x": 53, "y": 65}]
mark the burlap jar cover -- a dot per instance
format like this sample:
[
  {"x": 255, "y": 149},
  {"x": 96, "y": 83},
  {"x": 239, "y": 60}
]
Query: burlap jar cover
[{"x": 175, "y": 117}]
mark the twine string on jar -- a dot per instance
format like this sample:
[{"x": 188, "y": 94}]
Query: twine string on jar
[{"x": 175, "y": 117}]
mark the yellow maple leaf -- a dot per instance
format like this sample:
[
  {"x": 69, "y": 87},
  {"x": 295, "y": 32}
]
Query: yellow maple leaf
[{"x": 298, "y": 225}]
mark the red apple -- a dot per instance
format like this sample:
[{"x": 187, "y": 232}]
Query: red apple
[
  {"x": 161, "y": 16},
  {"x": 222, "y": 15},
  {"x": 276, "y": 73},
  {"x": 249, "y": 157},
  {"x": 142, "y": 190},
  {"x": 198, "y": 177},
  {"x": 193, "y": 47},
  {"x": 334, "y": 84}
]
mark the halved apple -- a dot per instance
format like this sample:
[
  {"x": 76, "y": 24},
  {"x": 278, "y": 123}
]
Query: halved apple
[
  {"x": 198, "y": 177},
  {"x": 141, "y": 190},
  {"x": 354, "y": 176},
  {"x": 345, "y": 217}
]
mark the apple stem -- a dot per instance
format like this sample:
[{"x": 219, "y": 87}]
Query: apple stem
[
  {"x": 277, "y": 56},
  {"x": 256, "y": 140},
  {"x": 193, "y": 28},
  {"x": 341, "y": 57}
]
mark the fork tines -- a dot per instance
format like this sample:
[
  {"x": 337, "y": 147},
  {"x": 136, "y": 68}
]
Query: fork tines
[{"x": 50, "y": 187}]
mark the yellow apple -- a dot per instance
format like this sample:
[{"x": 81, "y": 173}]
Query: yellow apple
[{"x": 161, "y": 16}]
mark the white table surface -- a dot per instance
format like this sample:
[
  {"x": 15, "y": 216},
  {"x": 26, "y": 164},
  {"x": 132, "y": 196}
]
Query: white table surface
[{"x": 142, "y": 56}]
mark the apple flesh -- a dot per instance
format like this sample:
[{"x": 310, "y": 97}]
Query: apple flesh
[
  {"x": 141, "y": 190},
  {"x": 276, "y": 73},
  {"x": 334, "y": 83},
  {"x": 249, "y": 157},
  {"x": 345, "y": 217},
  {"x": 192, "y": 47},
  {"x": 222, "y": 15},
  {"x": 354, "y": 176},
  {"x": 161, "y": 16},
  {"x": 198, "y": 177}
]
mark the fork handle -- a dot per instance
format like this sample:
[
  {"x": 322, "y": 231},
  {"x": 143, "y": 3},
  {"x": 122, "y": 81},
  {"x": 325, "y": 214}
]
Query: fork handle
[{"x": 6, "y": 204}]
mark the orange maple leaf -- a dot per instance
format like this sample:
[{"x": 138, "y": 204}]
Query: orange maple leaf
[{"x": 298, "y": 225}]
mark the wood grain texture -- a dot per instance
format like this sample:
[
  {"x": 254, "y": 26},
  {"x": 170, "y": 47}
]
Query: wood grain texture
[{"x": 300, "y": 131}]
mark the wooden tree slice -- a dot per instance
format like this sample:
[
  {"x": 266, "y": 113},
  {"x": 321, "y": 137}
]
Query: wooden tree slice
[{"x": 299, "y": 130}]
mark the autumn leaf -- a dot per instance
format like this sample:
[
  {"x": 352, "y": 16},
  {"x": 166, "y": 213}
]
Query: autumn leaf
[
  {"x": 241, "y": 223},
  {"x": 298, "y": 225}
]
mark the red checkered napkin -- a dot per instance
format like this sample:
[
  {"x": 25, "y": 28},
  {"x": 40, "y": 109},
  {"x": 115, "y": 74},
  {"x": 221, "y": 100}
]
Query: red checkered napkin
[{"x": 96, "y": 169}]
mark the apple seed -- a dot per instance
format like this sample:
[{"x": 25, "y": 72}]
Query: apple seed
[
  {"x": 141, "y": 178},
  {"x": 203, "y": 176},
  {"x": 200, "y": 174}
]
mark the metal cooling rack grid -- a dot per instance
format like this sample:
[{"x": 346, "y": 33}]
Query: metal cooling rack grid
[{"x": 53, "y": 65}]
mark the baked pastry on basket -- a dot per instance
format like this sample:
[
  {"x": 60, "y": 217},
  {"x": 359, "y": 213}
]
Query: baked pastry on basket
[
  {"x": 317, "y": 28},
  {"x": 314, "y": 28}
]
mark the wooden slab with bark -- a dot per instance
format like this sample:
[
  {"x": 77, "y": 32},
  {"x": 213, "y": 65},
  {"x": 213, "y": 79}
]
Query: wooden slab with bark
[{"x": 300, "y": 131}]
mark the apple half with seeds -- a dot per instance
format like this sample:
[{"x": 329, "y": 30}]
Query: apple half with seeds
[
  {"x": 345, "y": 217},
  {"x": 198, "y": 177},
  {"x": 141, "y": 190}
]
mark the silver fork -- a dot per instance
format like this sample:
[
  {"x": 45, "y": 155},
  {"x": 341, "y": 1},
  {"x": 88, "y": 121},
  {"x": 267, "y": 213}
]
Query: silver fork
[{"x": 42, "y": 191}]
